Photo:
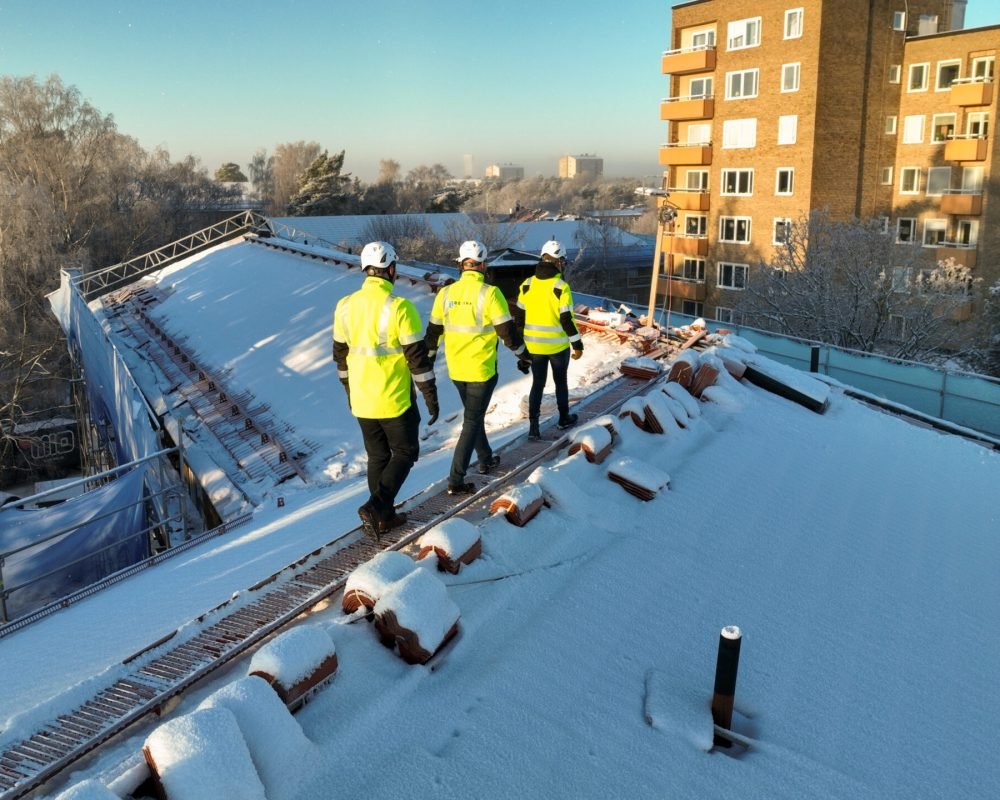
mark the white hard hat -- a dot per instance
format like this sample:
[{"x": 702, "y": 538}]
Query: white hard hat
[
  {"x": 472, "y": 250},
  {"x": 378, "y": 255},
  {"x": 554, "y": 249}
]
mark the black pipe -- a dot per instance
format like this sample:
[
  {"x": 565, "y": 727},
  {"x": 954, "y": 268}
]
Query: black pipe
[{"x": 726, "y": 667}]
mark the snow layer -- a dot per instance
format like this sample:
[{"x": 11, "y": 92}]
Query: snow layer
[
  {"x": 296, "y": 654},
  {"x": 453, "y": 536},
  {"x": 376, "y": 575},
  {"x": 422, "y": 605}
]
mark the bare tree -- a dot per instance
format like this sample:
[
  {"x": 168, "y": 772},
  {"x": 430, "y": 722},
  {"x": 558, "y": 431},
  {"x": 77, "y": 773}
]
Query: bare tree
[
  {"x": 388, "y": 171},
  {"x": 849, "y": 284},
  {"x": 290, "y": 161},
  {"x": 261, "y": 169}
]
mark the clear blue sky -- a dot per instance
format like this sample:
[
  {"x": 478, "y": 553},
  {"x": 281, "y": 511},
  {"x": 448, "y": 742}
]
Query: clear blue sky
[{"x": 520, "y": 81}]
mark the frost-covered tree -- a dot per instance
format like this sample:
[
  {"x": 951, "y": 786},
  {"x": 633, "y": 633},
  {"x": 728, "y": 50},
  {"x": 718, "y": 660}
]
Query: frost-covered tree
[
  {"x": 322, "y": 188},
  {"x": 849, "y": 284},
  {"x": 230, "y": 172},
  {"x": 261, "y": 169},
  {"x": 289, "y": 162}
]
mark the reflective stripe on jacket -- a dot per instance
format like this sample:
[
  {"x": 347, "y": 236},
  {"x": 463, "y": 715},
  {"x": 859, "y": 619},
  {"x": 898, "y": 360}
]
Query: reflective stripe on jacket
[
  {"x": 377, "y": 327},
  {"x": 547, "y": 304},
  {"x": 469, "y": 311}
]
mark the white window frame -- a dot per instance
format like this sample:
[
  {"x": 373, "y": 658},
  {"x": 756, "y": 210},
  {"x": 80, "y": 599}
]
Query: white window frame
[
  {"x": 890, "y": 125},
  {"x": 935, "y": 124},
  {"x": 709, "y": 36},
  {"x": 707, "y": 86},
  {"x": 689, "y": 265},
  {"x": 972, "y": 179},
  {"x": 702, "y": 225},
  {"x": 739, "y": 133},
  {"x": 895, "y": 73},
  {"x": 705, "y": 128},
  {"x": 794, "y": 17},
  {"x": 742, "y": 92},
  {"x": 902, "y": 277},
  {"x": 938, "y": 225},
  {"x": 786, "y": 224},
  {"x": 926, "y": 67},
  {"x": 790, "y": 172},
  {"x": 913, "y": 128},
  {"x": 693, "y": 308},
  {"x": 887, "y": 176},
  {"x": 700, "y": 185},
  {"x": 749, "y": 36},
  {"x": 735, "y": 222},
  {"x": 986, "y": 73},
  {"x": 724, "y": 314},
  {"x": 980, "y": 120},
  {"x": 741, "y": 176},
  {"x": 935, "y": 175},
  {"x": 883, "y": 222},
  {"x": 912, "y": 227},
  {"x": 903, "y": 173},
  {"x": 788, "y": 128},
  {"x": 899, "y": 20},
  {"x": 971, "y": 238},
  {"x": 735, "y": 269},
  {"x": 793, "y": 68},
  {"x": 948, "y": 62}
]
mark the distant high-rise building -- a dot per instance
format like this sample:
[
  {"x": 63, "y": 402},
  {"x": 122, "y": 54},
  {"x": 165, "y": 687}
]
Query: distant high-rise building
[
  {"x": 581, "y": 166},
  {"x": 470, "y": 165},
  {"x": 505, "y": 172}
]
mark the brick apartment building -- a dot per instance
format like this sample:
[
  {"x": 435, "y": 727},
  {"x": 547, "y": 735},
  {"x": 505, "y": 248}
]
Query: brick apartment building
[{"x": 873, "y": 110}]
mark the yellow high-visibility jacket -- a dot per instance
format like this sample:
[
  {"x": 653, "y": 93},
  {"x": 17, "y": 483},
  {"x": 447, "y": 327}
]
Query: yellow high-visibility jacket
[
  {"x": 472, "y": 315},
  {"x": 545, "y": 313},
  {"x": 377, "y": 345}
]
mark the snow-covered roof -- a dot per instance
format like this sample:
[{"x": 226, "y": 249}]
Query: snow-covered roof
[{"x": 856, "y": 552}]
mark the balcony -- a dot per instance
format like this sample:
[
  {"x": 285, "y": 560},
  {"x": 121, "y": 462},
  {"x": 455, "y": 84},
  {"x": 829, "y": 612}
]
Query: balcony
[
  {"x": 965, "y": 147},
  {"x": 964, "y": 255},
  {"x": 681, "y": 288},
  {"x": 688, "y": 60},
  {"x": 690, "y": 199},
  {"x": 686, "y": 154},
  {"x": 674, "y": 109},
  {"x": 971, "y": 92},
  {"x": 682, "y": 245},
  {"x": 961, "y": 202}
]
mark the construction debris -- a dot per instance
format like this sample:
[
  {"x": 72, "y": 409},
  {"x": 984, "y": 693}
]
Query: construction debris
[
  {"x": 638, "y": 478},
  {"x": 593, "y": 440}
]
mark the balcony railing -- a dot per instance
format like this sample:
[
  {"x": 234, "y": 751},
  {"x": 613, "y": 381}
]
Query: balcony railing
[
  {"x": 965, "y": 147},
  {"x": 687, "y": 107},
  {"x": 971, "y": 92},
  {"x": 684, "y": 245},
  {"x": 962, "y": 253},
  {"x": 962, "y": 201},
  {"x": 686, "y": 154},
  {"x": 687, "y": 60},
  {"x": 690, "y": 199},
  {"x": 682, "y": 288}
]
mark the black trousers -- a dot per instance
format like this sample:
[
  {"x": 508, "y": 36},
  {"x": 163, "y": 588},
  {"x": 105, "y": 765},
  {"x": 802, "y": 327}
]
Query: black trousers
[
  {"x": 475, "y": 399},
  {"x": 539, "y": 373},
  {"x": 393, "y": 446}
]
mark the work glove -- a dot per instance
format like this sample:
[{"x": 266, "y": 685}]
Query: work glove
[
  {"x": 431, "y": 401},
  {"x": 347, "y": 388},
  {"x": 524, "y": 366},
  {"x": 576, "y": 354}
]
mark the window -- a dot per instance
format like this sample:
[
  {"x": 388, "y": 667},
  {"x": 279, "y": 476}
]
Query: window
[
  {"x": 909, "y": 180},
  {"x": 901, "y": 277},
  {"x": 739, "y": 133},
  {"x": 947, "y": 73},
  {"x": 942, "y": 127},
  {"x": 742, "y": 84},
  {"x": 700, "y": 87},
  {"x": 894, "y": 73},
  {"x": 692, "y": 308},
  {"x": 790, "y": 77},
  {"x": 727, "y": 315},
  {"x": 938, "y": 180},
  {"x": 917, "y": 81},
  {"x": 977, "y": 124},
  {"x": 967, "y": 232},
  {"x": 785, "y": 180},
  {"x": 737, "y": 181},
  {"x": 703, "y": 39},
  {"x": 982, "y": 68},
  {"x": 793, "y": 23},
  {"x": 883, "y": 225},
  {"x": 934, "y": 231},
  {"x": 696, "y": 180},
  {"x": 972, "y": 179},
  {"x": 695, "y": 225},
  {"x": 913, "y": 129},
  {"x": 782, "y": 230},
  {"x": 890, "y": 124},
  {"x": 692, "y": 269},
  {"x": 899, "y": 20},
  {"x": 897, "y": 327},
  {"x": 734, "y": 229},
  {"x": 699, "y": 133},
  {"x": 744, "y": 33},
  {"x": 906, "y": 230},
  {"x": 788, "y": 125},
  {"x": 732, "y": 276},
  {"x": 887, "y": 176}
]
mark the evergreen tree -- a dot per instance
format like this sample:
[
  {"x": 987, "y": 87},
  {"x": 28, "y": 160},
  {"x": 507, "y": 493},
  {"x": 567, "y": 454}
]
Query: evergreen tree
[
  {"x": 322, "y": 188},
  {"x": 230, "y": 173}
]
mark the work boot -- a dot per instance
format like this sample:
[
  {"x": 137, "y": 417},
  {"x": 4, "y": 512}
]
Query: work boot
[
  {"x": 398, "y": 518},
  {"x": 567, "y": 422},
  {"x": 533, "y": 433},
  {"x": 485, "y": 467},
  {"x": 370, "y": 521},
  {"x": 462, "y": 488}
]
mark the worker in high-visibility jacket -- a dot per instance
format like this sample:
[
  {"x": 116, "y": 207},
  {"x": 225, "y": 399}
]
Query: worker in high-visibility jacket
[
  {"x": 472, "y": 316},
  {"x": 544, "y": 317},
  {"x": 380, "y": 353}
]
